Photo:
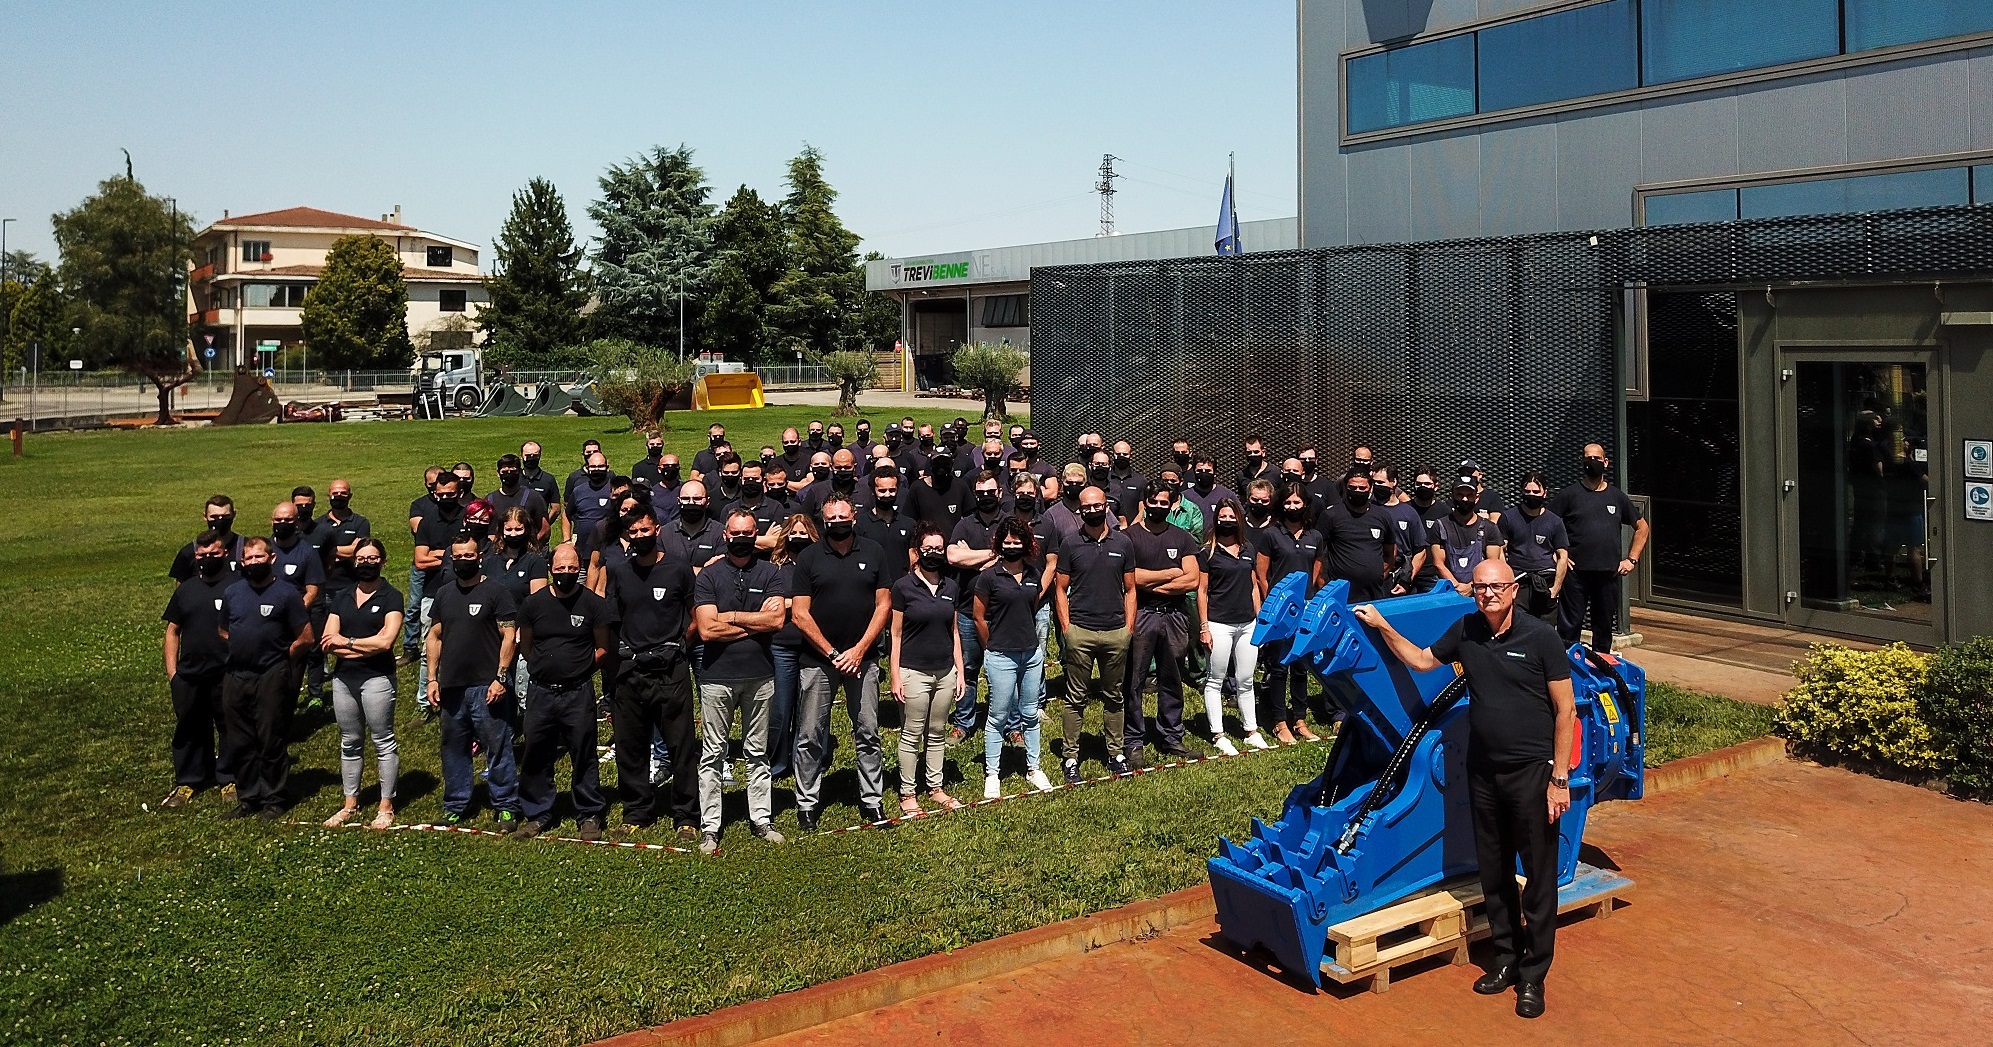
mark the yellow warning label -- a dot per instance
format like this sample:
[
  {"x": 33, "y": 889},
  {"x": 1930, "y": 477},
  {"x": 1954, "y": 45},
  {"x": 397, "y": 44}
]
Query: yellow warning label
[{"x": 1611, "y": 710}]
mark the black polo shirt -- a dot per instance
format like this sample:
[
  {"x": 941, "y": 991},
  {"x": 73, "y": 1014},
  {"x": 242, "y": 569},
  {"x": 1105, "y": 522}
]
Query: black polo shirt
[
  {"x": 1533, "y": 541},
  {"x": 262, "y": 623},
  {"x": 300, "y": 565},
  {"x": 362, "y": 618},
  {"x": 706, "y": 464},
  {"x": 650, "y": 606},
  {"x": 437, "y": 532},
  {"x": 1229, "y": 583},
  {"x": 1160, "y": 552},
  {"x": 422, "y": 507},
  {"x": 928, "y": 630},
  {"x": 1354, "y": 547},
  {"x": 1096, "y": 571},
  {"x": 470, "y": 619},
  {"x": 694, "y": 545},
  {"x": 563, "y": 653},
  {"x": 1510, "y": 719},
  {"x": 843, "y": 589},
  {"x": 1593, "y": 519},
  {"x": 1208, "y": 500},
  {"x": 726, "y": 587},
  {"x": 767, "y": 513},
  {"x": 1322, "y": 490},
  {"x": 183, "y": 561},
  {"x": 970, "y": 530},
  {"x": 516, "y": 572},
  {"x": 895, "y": 538},
  {"x": 338, "y": 533},
  {"x": 543, "y": 483},
  {"x": 1124, "y": 494},
  {"x": 1048, "y": 536},
  {"x": 938, "y": 508},
  {"x": 196, "y": 608},
  {"x": 1287, "y": 552},
  {"x": 1010, "y": 606}
]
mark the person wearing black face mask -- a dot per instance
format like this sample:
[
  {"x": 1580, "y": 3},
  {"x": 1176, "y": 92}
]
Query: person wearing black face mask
[
  {"x": 343, "y": 528},
  {"x": 563, "y": 635},
  {"x": 1259, "y": 508},
  {"x": 861, "y": 443},
  {"x": 1594, "y": 511},
  {"x": 882, "y": 520},
  {"x": 768, "y": 513},
  {"x": 514, "y": 492},
  {"x": 737, "y": 602},
  {"x": 1359, "y": 541},
  {"x": 471, "y": 644},
  {"x": 842, "y": 478},
  {"x": 697, "y": 537},
  {"x": 1539, "y": 549},
  {"x": 219, "y": 515},
  {"x": 589, "y": 503},
  {"x": 840, "y": 603},
  {"x": 513, "y": 562},
  {"x": 1254, "y": 465},
  {"x": 819, "y": 473},
  {"x": 938, "y": 498},
  {"x": 970, "y": 550},
  {"x": 1063, "y": 511},
  {"x": 434, "y": 534},
  {"x": 1094, "y": 599},
  {"x": 1489, "y": 501},
  {"x": 1166, "y": 571},
  {"x": 267, "y": 628},
  {"x": 296, "y": 561},
  {"x": 1180, "y": 454},
  {"x": 1291, "y": 546},
  {"x": 196, "y": 659},
  {"x": 915, "y": 448},
  {"x": 815, "y": 441},
  {"x": 1320, "y": 484},
  {"x": 1204, "y": 491},
  {"x": 706, "y": 464},
  {"x": 362, "y": 626},
  {"x": 1407, "y": 527},
  {"x": 1464, "y": 537},
  {"x": 1428, "y": 502},
  {"x": 649, "y": 594}
]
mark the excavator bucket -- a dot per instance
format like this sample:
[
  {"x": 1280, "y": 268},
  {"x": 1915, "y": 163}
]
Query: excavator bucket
[{"x": 727, "y": 391}]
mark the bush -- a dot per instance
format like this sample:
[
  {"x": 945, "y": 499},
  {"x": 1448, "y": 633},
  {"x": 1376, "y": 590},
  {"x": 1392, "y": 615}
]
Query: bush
[
  {"x": 994, "y": 370},
  {"x": 1863, "y": 705},
  {"x": 1958, "y": 704}
]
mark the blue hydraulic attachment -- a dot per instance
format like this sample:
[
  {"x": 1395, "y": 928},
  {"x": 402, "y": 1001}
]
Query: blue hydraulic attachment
[{"x": 1389, "y": 815}]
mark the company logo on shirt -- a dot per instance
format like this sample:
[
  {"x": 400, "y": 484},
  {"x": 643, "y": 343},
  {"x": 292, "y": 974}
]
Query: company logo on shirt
[
  {"x": 217, "y": 604},
  {"x": 475, "y": 608},
  {"x": 1376, "y": 532},
  {"x": 266, "y": 609},
  {"x": 861, "y": 565},
  {"x": 656, "y": 594},
  {"x": 1515, "y": 654},
  {"x": 576, "y": 620},
  {"x": 1612, "y": 510},
  {"x": 602, "y": 501},
  {"x": 1172, "y": 552},
  {"x": 1543, "y": 539},
  {"x": 290, "y": 568}
]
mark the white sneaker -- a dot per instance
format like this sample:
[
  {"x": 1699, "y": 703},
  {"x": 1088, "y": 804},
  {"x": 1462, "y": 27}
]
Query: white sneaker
[
  {"x": 1039, "y": 781},
  {"x": 1254, "y": 741},
  {"x": 992, "y": 788},
  {"x": 1225, "y": 746}
]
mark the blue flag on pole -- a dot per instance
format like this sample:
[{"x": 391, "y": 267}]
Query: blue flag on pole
[{"x": 1229, "y": 240}]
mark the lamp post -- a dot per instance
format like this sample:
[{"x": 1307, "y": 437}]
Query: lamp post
[{"x": 3, "y": 279}]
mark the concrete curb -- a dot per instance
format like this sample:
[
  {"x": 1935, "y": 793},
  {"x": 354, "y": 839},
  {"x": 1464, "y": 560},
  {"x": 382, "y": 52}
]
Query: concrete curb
[{"x": 820, "y": 1004}]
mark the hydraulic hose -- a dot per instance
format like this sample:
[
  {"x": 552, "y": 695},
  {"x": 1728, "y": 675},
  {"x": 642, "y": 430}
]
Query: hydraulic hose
[{"x": 1388, "y": 782}]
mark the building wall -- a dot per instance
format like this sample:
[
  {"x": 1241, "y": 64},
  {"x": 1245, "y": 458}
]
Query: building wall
[{"x": 1578, "y": 170}]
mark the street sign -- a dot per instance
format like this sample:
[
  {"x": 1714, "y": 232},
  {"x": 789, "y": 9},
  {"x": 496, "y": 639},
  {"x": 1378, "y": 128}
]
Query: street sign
[
  {"x": 210, "y": 351},
  {"x": 269, "y": 372}
]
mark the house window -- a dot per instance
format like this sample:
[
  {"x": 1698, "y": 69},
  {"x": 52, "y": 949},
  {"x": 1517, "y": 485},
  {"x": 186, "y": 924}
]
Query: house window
[
  {"x": 440, "y": 258},
  {"x": 273, "y": 296},
  {"x": 450, "y": 301},
  {"x": 254, "y": 250}
]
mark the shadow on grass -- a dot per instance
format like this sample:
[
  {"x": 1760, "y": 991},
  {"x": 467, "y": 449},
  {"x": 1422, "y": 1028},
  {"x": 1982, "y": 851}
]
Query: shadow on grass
[{"x": 24, "y": 890}]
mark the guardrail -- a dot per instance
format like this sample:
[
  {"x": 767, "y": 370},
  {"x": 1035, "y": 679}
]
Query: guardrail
[{"x": 794, "y": 376}]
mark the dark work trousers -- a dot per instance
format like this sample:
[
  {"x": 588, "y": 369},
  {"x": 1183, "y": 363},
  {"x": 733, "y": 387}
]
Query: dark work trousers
[
  {"x": 1286, "y": 686},
  {"x": 197, "y": 725},
  {"x": 611, "y": 667},
  {"x": 662, "y": 702},
  {"x": 258, "y": 708},
  {"x": 1589, "y": 597},
  {"x": 315, "y": 658},
  {"x": 1511, "y": 822},
  {"x": 1534, "y": 596},
  {"x": 1160, "y": 638},
  {"x": 557, "y": 720}
]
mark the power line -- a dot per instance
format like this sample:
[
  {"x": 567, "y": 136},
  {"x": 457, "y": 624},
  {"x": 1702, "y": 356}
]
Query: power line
[{"x": 1105, "y": 187}]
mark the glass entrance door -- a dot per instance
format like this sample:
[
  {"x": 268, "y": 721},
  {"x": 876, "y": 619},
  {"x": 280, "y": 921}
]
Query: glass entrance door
[{"x": 1858, "y": 519}]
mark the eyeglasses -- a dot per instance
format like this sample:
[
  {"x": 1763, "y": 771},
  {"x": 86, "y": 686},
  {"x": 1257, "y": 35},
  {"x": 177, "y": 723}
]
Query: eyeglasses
[{"x": 1491, "y": 588}]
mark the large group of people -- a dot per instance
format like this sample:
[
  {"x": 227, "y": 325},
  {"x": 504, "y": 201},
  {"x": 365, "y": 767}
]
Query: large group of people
[{"x": 745, "y": 591}]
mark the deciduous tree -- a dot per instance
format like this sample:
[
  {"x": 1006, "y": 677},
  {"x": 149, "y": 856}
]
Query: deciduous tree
[{"x": 357, "y": 316}]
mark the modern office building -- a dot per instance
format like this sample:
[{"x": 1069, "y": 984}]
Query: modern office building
[
  {"x": 1744, "y": 243},
  {"x": 251, "y": 274}
]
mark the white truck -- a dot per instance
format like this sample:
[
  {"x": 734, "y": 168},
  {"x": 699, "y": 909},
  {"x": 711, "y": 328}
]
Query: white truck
[{"x": 453, "y": 377}]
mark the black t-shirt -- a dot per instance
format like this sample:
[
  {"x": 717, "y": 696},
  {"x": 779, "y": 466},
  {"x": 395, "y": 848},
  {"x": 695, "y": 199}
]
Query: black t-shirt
[
  {"x": 1593, "y": 519},
  {"x": 361, "y": 618},
  {"x": 1229, "y": 583},
  {"x": 1011, "y": 606},
  {"x": 337, "y": 533},
  {"x": 262, "y": 623},
  {"x": 1430, "y": 515},
  {"x": 196, "y": 608},
  {"x": 843, "y": 589},
  {"x": 422, "y": 507},
  {"x": 436, "y": 532},
  {"x": 651, "y": 605},
  {"x": 1510, "y": 719},
  {"x": 300, "y": 565},
  {"x": 1096, "y": 571},
  {"x": 563, "y": 653},
  {"x": 1354, "y": 547},
  {"x": 788, "y": 636},
  {"x": 516, "y": 573},
  {"x": 1287, "y": 553},
  {"x": 927, "y": 634},
  {"x": 728, "y": 588},
  {"x": 941, "y": 509},
  {"x": 706, "y": 464},
  {"x": 894, "y": 538},
  {"x": 1160, "y": 552},
  {"x": 1322, "y": 491},
  {"x": 1048, "y": 536},
  {"x": 183, "y": 561},
  {"x": 587, "y": 506},
  {"x": 470, "y": 620},
  {"x": 973, "y": 532},
  {"x": 1464, "y": 545},
  {"x": 1124, "y": 494},
  {"x": 1533, "y": 542},
  {"x": 694, "y": 545}
]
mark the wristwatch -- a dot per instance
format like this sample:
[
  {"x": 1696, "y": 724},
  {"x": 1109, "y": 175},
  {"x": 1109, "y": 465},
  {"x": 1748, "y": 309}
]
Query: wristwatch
[{"x": 1559, "y": 783}]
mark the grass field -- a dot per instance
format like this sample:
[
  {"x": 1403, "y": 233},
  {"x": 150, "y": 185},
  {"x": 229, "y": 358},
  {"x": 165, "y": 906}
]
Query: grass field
[{"x": 124, "y": 925}]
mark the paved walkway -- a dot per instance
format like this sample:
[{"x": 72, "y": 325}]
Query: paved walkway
[
  {"x": 1741, "y": 660},
  {"x": 1789, "y": 905}
]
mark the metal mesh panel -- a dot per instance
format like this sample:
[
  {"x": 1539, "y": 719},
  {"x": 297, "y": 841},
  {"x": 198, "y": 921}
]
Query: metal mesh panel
[{"x": 1498, "y": 349}]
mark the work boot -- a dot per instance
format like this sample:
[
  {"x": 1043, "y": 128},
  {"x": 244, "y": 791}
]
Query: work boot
[{"x": 178, "y": 797}]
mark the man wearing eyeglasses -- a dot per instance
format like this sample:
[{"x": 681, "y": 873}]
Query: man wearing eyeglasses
[{"x": 1520, "y": 717}]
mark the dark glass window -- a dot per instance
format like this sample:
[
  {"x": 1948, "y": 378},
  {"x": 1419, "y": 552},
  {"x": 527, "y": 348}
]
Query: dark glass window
[
  {"x": 1881, "y": 23},
  {"x": 1007, "y": 310},
  {"x": 254, "y": 250},
  {"x": 1685, "y": 39},
  {"x": 450, "y": 301},
  {"x": 1982, "y": 184},
  {"x": 1683, "y": 446},
  {"x": 440, "y": 257},
  {"x": 1880, "y": 192},
  {"x": 1587, "y": 51},
  {"x": 1411, "y": 85},
  {"x": 1714, "y": 205}
]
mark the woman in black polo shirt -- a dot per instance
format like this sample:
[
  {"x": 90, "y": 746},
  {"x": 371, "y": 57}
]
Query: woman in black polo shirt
[
  {"x": 1008, "y": 594},
  {"x": 799, "y": 532},
  {"x": 927, "y": 666},
  {"x": 512, "y": 563},
  {"x": 361, "y": 630},
  {"x": 1228, "y": 599},
  {"x": 1290, "y": 545}
]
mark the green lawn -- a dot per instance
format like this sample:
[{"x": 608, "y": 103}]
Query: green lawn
[
  {"x": 123, "y": 925},
  {"x": 1681, "y": 722}
]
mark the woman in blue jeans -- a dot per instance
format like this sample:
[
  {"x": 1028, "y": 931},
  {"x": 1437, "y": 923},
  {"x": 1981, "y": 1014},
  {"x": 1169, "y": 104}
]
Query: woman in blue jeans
[
  {"x": 799, "y": 532},
  {"x": 1008, "y": 595}
]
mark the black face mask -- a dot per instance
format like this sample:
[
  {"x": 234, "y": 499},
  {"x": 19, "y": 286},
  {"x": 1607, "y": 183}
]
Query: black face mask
[
  {"x": 1182, "y": 459},
  {"x": 565, "y": 581},
  {"x": 1424, "y": 493},
  {"x": 1594, "y": 469},
  {"x": 987, "y": 501},
  {"x": 1255, "y": 460},
  {"x": 1205, "y": 480},
  {"x": 655, "y": 452},
  {"x": 864, "y": 436},
  {"x": 933, "y": 559},
  {"x": 1260, "y": 509},
  {"x": 836, "y": 440},
  {"x": 941, "y": 465},
  {"x": 1308, "y": 468},
  {"x": 1122, "y": 461},
  {"x": 767, "y": 462},
  {"x": 508, "y": 478},
  {"x": 1290, "y": 478},
  {"x": 893, "y": 441},
  {"x": 210, "y": 566},
  {"x": 222, "y": 524},
  {"x": 843, "y": 479},
  {"x": 286, "y": 529},
  {"x": 598, "y": 476},
  {"x": 1355, "y": 498},
  {"x": 257, "y": 573},
  {"x": 1533, "y": 501},
  {"x": 1094, "y": 516},
  {"x": 465, "y": 569},
  {"x": 1026, "y": 503},
  {"x": 1098, "y": 472},
  {"x": 839, "y": 530},
  {"x": 1293, "y": 515},
  {"x": 669, "y": 474},
  {"x": 886, "y": 501},
  {"x": 340, "y": 502},
  {"x": 643, "y": 546},
  {"x": 692, "y": 514},
  {"x": 927, "y": 443},
  {"x": 1228, "y": 527},
  {"x": 515, "y": 541},
  {"x": 1382, "y": 493},
  {"x": 816, "y": 436},
  {"x": 789, "y": 448},
  {"x": 796, "y": 543},
  {"x": 1071, "y": 496},
  {"x": 367, "y": 572},
  {"x": 1155, "y": 514},
  {"x": 740, "y": 545},
  {"x": 531, "y": 461},
  {"x": 1465, "y": 506},
  {"x": 820, "y": 473},
  {"x": 730, "y": 483},
  {"x": 1031, "y": 450},
  {"x": 750, "y": 488}
]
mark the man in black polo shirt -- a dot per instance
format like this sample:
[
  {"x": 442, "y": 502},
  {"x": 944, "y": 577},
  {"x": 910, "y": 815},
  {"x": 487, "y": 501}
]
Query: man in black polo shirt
[
  {"x": 1593, "y": 511},
  {"x": 650, "y": 598},
  {"x": 436, "y": 531},
  {"x": 1464, "y": 537},
  {"x": 1538, "y": 548},
  {"x": 196, "y": 659},
  {"x": 840, "y": 600},
  {"x": 471, "y": 649},
  {"x": 1520, "y": 717},
  {"x": 969, "y": 552},
  {"x": 737, "y": 603},
  {"x": 1094, "y": 597},
  {"x": 563, "y": 635},
  {"x": 1166, "y": 569},
  {"x": 697, "y": 536},
  {"x": 882, "y": 520},
  {"x": 267, "y": 629},
  {"x": 707, "y": 461},
  {"x": 1320, "y": 484},
  {"x": 220, "y": 517},
  {"x": 589, "y": 448},
  {"x": 768, "y": 514},
  {"x": 939, "y": 496},
  {"x": 542, "y": 482},
  {"x": 419, "y": 510},
  {"x": 590, "y": 501},
  {"x": 513, "y": 491},
  {"x": 1358, "y": 540}
]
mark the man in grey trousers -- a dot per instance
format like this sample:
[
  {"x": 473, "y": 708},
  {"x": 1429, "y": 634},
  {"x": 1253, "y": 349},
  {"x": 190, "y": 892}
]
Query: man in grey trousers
[
  {"x": 737, "y": 603},
  {"x": 841, "y": 605}
]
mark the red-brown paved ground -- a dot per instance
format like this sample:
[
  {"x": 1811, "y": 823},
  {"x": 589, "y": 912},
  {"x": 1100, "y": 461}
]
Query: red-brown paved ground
[{"x": 1788, "y": 905}]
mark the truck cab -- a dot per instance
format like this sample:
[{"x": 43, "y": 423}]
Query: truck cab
[{"x": 455, "y": 375}]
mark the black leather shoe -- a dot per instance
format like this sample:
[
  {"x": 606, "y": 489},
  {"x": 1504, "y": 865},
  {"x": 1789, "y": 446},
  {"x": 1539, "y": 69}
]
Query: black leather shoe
[
  {"x": 239, "y": 811},
  {"x": 873, "y": 814},
  {"x": 1529, "y": 1000},
  {"x": 1496, "y": 980},
  {"x": 806, "y": 821}
]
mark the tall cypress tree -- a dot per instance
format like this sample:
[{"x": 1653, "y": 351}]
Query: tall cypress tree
[
  {"x": 656, "y": 244},
  {"x": 816, "y": 301},
  {"x": 750, "y": 257},
  {"x": 539, "y": 288}
]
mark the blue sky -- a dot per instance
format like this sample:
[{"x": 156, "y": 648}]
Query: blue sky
[{"x": 945, "y": 126}]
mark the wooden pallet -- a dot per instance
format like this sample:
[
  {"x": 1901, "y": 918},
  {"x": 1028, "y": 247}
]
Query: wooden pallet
[{"x": 1442, "y": 922}]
